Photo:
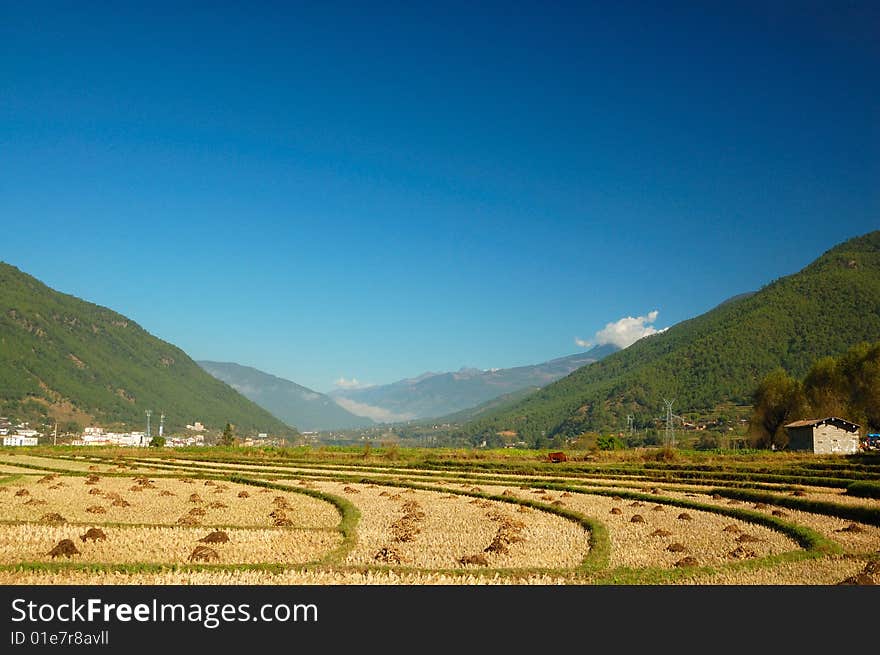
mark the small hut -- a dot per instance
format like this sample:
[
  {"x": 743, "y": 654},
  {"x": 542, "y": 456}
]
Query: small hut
[{"x": 824, "y": 436}]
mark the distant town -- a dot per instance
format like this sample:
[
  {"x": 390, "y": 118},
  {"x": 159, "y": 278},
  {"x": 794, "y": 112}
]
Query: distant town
[{"x": 15, "y": 433}]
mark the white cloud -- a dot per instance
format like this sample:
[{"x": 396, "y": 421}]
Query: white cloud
[
  {"x": 353, "y": 383},
  {"x": 583, "y": 343},
  {"x": 626, "y": 331},
  {"x": 379, "y": 414}
]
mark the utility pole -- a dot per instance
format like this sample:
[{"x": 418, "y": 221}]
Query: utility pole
[
  {"x": 148, "y": 413},
  {"x": 629, "y": 424},
  {"x": 55, "y": 438},
  {"x": 162, "y": 424},
  {"x": 670, "y": 428}
]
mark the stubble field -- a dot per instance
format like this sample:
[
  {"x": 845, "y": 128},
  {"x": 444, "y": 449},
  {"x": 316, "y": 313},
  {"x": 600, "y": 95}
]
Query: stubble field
[{"x": 247, "y": 516}]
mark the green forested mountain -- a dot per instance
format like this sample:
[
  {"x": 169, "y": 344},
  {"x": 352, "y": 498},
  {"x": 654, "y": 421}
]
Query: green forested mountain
[
  {"x": 71, "y": 360},
  {"x": 717, "y": 357},
  {"x": 292, "y": 403}
]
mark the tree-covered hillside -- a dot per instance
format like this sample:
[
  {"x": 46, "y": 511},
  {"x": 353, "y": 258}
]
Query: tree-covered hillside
[
  {"x": 73, "y": 360},
  {"x": 717, "y": 357}
]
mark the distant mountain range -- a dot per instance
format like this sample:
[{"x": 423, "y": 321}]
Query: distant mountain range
[
  {"x": 66, "y": 359},
  {"x": 292, "y": 403},
  {"x": 718, "y": 357},
  {"x": 439, "y": 394}
]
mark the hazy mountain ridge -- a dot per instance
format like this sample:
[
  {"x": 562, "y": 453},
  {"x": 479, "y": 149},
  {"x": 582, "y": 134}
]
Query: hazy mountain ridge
[
  {"x": 439, "y": 394},
  {"x": 291, "y": 402}
]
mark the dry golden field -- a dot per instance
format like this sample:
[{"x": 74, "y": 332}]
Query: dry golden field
[{"x": 140, "y": 517}]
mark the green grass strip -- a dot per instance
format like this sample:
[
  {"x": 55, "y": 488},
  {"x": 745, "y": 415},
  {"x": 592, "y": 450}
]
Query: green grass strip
[
  {"x": 864, "y": 489},
  {"x": 862, "y": 514},
  {"x": 350, "y": 515}
]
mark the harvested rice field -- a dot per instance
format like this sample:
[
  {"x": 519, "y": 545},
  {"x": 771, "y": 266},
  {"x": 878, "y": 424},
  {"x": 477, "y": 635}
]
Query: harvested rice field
[{"x": 142, "y": 516}]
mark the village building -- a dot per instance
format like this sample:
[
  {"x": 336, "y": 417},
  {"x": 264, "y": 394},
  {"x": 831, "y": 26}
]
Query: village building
[{"x": 824, "y": 436}]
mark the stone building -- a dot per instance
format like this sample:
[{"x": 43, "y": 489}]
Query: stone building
[{"x": 824, "y": 436}]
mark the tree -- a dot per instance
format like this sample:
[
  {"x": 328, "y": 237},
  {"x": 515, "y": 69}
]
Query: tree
[
  {"x": 779, "y": 399},
  {"x": 228, "y": 437},
  {"x": 157, "y": 442},
  {"x": 825, "y": 389}
]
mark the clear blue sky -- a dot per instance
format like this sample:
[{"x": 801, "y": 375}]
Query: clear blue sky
[{"x": 373, "y": 191}]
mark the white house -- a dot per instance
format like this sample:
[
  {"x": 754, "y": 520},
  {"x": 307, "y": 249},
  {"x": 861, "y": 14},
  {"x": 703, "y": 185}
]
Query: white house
[{"x": 19, "y": 440}]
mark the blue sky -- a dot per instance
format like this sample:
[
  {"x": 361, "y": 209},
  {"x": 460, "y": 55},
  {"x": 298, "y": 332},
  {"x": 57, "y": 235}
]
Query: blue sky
[{"x": 373, "y": 191}]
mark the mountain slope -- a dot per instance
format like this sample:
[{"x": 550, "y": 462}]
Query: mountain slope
[
  {"x": 73, "y": 360},
  {"x": 439, "y": 394},
  {"x": 716, "y": 357},
  {"x": 291, "y": 402}
]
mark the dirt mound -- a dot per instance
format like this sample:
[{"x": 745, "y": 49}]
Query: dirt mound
[
  {"x": 95, "y": 534},
  {"x": 799, "y": 493},
  {"x": 197, "y": 511},
  {"x": 120, "y": 502},
  {"x": 165, "y": 492},
  {"x": 218, "y": 505},
  {"x": 779, "y": 513},
  {"x": 676, "y": 548},
  {"x": 684, "y": 516},
  {"x": 243, "y": 494},
  {"x": 478, "y": 560},
  {"x": 717, "y": 497},
  {"x": 209, "y": 483},
  {"x": 687, "y": 561},
  {"x": 204, "y": 554},
  {"x": 636, "y": 504},
  {"x": 216, "y": 537},
  {"x": 387, "y": 555},
  {"x": 660, "y": 532},
  {"x": 565, "y": 495},
  {"x": 277, "y": 513},
  {"x": 53, "y": 517},
  {"x": 852, "y": 527},
  {"x": 36, "y": 501},
  {"x": 281, "y": 502},
  {"x": 731, "y": 528},
  {"x": 282, "y": 522},
  {"x": 136, "y": 488},
  {"x": 195, "y": 498},
  {"x": 741, "y": 552},
  {"x": 96, "y": 492},
  {"x": 759, "y": 506},
  {"x": 658, "y": 508},
  {"x": 350, "y": 490},
  {"x": 47, "y": 478},
  {"x": 616, "y": 510},
  {"x": 21, "y": 493},
  {"x": 747, "y": 539},
  {"x": 637, "y": 518},
  {"x": 65, "y": 547},
  {"x": 96, "y": 509},
  {"x": 188, "y": 520},
  {"x": 858, "y": 579}
]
